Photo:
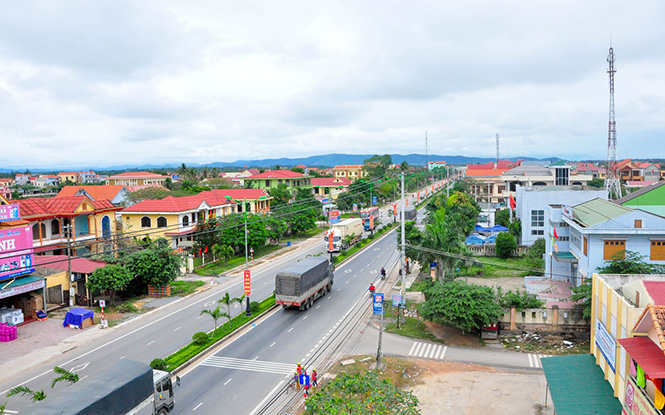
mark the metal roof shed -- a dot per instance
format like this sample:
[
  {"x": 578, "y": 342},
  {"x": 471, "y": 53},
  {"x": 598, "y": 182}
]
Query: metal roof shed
[{"x": 578, "y": 386}]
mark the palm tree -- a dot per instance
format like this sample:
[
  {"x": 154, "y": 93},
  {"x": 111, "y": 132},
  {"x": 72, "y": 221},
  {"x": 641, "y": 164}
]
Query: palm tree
[
  {"x": 64, "y": 375},
  {"x": 224, "y": 252},
  {"x": 227, "y": 301},
  {"x": 36, "y": 396},
  {"x": 216, "y": 314}
]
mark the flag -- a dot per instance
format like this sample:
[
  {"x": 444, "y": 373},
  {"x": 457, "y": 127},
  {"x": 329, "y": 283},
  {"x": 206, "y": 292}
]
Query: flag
[
  {"x": 407, "y": 202},
  {"x": 555, "y": 235},
  {"x": 206, "y": 250},
  {"x": 199, "y": 251},
  {"x": 512, "y": 202}
]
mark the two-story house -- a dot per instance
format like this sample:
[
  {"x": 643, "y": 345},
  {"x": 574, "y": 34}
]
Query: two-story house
[
  {"x": 325, "y": 187},
  {"x": 349, "y": 171},
  {"x": 72, "y": 176},
  {"x": 137, "y": 178},
  {"x": 273, "y": 178},
  {"x": 117, "y": 194},
  {"x": 598, "y": 230},
  {"x": 22, "y": 179}
]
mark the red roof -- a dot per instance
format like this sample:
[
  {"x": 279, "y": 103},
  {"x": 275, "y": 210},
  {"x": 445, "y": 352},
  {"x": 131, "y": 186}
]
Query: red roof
[
  {"x": 330, "y": 181},
  {"x": 97, "y": 192},
  {"x": 647, "y": 354},
  {"x": 301, "y": 166},
  {"x": 656, "y": 290},
  {"x": 277, "y": 174},
  {"x": 185, "y": 203},
  {"x": 136, "y": 174},
  {"x": 80, "y": 265},
  {"x": 240, "y": 194},
  {"x": 486, "y": 172},
  {"x": 68, "y": 173},
  {"x": 348, "y": 166},
  {"x": 42, "y": 206}
]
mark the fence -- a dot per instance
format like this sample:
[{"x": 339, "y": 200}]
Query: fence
[
  {"x": 544, "y": 319},
  {"x": 490, "y": 250}
]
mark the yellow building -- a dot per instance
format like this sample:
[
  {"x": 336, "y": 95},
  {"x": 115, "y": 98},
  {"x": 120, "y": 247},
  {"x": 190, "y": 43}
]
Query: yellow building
[
  {"x": 72, "y": 176},
  {"x": 349, "y": 171},
  {"x": 138, "y": 178}
]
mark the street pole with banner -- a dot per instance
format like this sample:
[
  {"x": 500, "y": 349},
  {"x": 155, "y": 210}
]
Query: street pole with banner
[
  {"x": 377, "y": 306},
  {"x": 402, "y": 264},
  {"x": 248, "y": 312}
]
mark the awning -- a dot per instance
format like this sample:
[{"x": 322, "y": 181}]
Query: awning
[
  {"x": 578, "y": 386},
  {"x": 21, "y": 285},
  {"x": 564, "y": 256},
  {"x": 647, "y": 354}
]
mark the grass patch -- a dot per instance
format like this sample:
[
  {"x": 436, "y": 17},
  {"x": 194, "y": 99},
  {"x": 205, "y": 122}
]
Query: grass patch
[
  {"x": 400, "y": 372},
  {"x": 496, "y": 271},
  {"x": 413, "y": 327},
  {"x": 218, "y": 267},
  {"x": 183, "y": 288},
  {"x": 193, "y": 349},
  {"x": 306, "y": 235}
]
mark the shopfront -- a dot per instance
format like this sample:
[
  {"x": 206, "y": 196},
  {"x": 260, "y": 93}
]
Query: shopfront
[{"x": 25, "y": 294}]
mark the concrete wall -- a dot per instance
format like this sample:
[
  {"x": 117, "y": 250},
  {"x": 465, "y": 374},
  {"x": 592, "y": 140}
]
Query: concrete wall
[
  {"x": 490, "y": 250},
  {"x": 544, "y": 319}
]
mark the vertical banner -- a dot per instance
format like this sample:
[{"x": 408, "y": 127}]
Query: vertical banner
[
  {"x": 331, "y": 246},
  {"x": 248, "y": 287},
  {"x": 371, "y": 222}
]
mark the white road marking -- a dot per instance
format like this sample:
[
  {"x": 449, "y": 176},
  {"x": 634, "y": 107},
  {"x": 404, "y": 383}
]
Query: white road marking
[
  {"x": 291, "y": 329},
  {"x": 347, "y": 281},
  {"x": 305, "y": 318},
  {"x": 121, "y": 357},
  {"x": 255, "y": 410},
  {"x": 177, "y": 328},
  {"x": 197, "y": 406},
  {"x": 150, "y": 342},
  {"x": 266, "y": 282},
  {"x": 346, "y": 271},
  {"x": 318, "y": 306},
  {"x": 201, "y": 316},
  {"x": 329, "y": 297},
  {"x": 84, "y": 377},
  {"x": 273, "y": 343},
  {"x": 418, "y": 346},
  {"x": 79, "y": 368},
  {"x": 209, "y": 303},
  {"x": 444, "y": 352},
  {"x": 338, "y": 289},
  {"x": 412, "y": 347},
  {"x": 225, "y": 383},
  {"x": 7, "y": 411}
]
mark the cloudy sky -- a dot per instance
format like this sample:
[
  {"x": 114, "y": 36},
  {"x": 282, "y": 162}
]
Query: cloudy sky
[{"x": 99, "y": 83}]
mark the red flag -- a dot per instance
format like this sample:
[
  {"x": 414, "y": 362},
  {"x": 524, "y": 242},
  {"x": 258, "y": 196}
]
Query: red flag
[
  {"x": 555, "y": 235},
  {"x": 206, "y": 250},
  {"x": 199, "y": 251},
  {"x": 512, "y": 202}
]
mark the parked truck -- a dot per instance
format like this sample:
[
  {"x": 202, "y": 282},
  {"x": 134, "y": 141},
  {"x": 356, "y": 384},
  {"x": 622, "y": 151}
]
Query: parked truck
[
  {"x": 125, "y": 388},
  {"x": 410, "y": 213},
  {"x": 302, "y": 283},
  {"x": 344, "y": 234}
]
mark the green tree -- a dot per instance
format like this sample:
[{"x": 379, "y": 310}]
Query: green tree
[
  {"x": 147, "y": 193},
  {"x": 65, "y": 375},
  {"x": 361, "y": 393},
  {"x": 110, "y": 277},
  {"x": 629, "y": 262},
  {"x": 505, "y": 245},
  {"x": 223, "y": 252},
  {"x": 597, "y": 183},
  {"x": 503, "y": 218},
  {"x": 281, "y": 194},
  {"x": 582, "y": 298},
  {"x": 206, "y": 234},
  {"x": 465, "y": 306},
  {"x": 276, "y": 229},
  {"x": 216, "y": 314},
  {"x": 156, "y": 265},
  {"x": 377, "y": 166},
  {"x": 232, "y": 231},
  {"x": 35, "y": 396},
  {"x": 518, "y": 299}
]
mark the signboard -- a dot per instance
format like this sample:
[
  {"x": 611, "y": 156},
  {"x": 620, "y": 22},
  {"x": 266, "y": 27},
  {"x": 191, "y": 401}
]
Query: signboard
[
  {"x": 567, "y": 211},
  {"x": 10, "y": 292},
  {"x": 16, "y": 252},
  {"x": 9, "y": 212},
  {"x": 248, "y": 287},
  {"x": 397, "y": 300},
  {"x": 355, "y": 207},
  {"x": 304, "y": 379},
  {"x": 635, "y": 402},
  {"x": 374, "y": 200},
  {"x": 378, "y": 303},
  {"x": 334, "y": 216},
  {"x": 331, "y": 245},
  {"x": 102, "y": 303},
  {"x": 175, "y": 177},
  {"x": 607, "y": 344},
  {"x": 371, "y": 222}
]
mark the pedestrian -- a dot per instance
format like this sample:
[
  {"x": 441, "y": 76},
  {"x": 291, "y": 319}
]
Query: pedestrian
[
  {"x": 305, "y": 387},
  {"x": 315, "y": 383}
]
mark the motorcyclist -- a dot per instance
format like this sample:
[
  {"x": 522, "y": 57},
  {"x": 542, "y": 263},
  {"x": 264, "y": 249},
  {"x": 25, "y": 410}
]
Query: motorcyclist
[
  {"x": 383, "y": 273},
  {"x": 371, "y": 288}
]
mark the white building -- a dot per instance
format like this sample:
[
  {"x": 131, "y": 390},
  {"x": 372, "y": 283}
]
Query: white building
[
  {"x": 532, "y": 203},
  {"x": 597, "y": 230}
]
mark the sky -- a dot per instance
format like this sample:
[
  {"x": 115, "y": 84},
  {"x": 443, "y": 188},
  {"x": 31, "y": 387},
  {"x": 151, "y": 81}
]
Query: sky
[{"x": 103, "y": 83}]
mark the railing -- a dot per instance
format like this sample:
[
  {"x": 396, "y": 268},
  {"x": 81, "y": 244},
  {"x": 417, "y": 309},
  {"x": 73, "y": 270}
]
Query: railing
[{"x": 490, "y": 250}]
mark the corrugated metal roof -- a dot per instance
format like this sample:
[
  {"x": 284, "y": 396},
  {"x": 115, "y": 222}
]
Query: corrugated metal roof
[
  {"x": 61, "y": 262},
  {"x": 597, "y": 211}
]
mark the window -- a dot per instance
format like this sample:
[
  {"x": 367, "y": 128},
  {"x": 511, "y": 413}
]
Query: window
[
  {"x": 161, "y": 222},
  {"x": 638, "y": 223},
  {"x": 576, "y": 239},
  {"x": 612, "y": 248},
  {"x": 185, "y": 220},
  {"x": 657, "y": 251},
  {"x": 106, "y": 227},
  {"x": 564, "y": 238},
  {"x": 146, "y": 222},
  {"x": 537, "y": 232},
  {"x": 586, "y": 245},
  {"x": 537, "y": 218},
  {"x": 55, "y": 227}
]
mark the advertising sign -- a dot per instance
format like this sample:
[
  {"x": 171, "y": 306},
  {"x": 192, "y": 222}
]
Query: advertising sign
[
  {"x": 636, "y": 403},
  {"x": 16, "y": 252},
  {"x": 371, "y": 222},
  {"x": 378, "y": 303},
  {"x": 397, "y": 300},
  {"x": 10, "y": 292},
  {"x": 607, "y": 344},
  {"x": 331, "y": 245},
  {"x": 374, "y": 200},
  {"x": 9, "y": 212},
  {"x": 355, "y": 207},
  {"x": 334, "y": 216},
  {"x": 248, "y": 286}
]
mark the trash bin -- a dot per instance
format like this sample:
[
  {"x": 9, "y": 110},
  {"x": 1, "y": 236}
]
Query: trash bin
[{"x": 288, "y": 243}]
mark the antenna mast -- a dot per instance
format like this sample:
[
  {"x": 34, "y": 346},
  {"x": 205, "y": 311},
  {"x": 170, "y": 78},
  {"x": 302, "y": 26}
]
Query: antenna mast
[
  {"x": 497, "y": 151},
  {"x": 612, "y": 184}
]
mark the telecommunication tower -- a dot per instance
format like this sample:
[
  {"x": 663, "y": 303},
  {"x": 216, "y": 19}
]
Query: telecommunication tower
[
  {"x": 497, "y": 151},
  {"x": 612, "y": 184}
]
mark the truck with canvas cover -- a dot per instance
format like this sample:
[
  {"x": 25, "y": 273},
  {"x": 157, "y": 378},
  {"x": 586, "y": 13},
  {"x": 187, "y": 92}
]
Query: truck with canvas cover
[
  {"x": 126, "y": 388},
  {"x": 344, "y": 234},
  {"x": 410, "y": 213},
  {"x": 302, "y": 283}
]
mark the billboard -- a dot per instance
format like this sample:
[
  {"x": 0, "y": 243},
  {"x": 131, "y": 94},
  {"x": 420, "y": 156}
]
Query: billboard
[
  {"x": 16, "y": 252},
  {"x": 9, "y": 212},
  {"x": 334, "y": 216}
]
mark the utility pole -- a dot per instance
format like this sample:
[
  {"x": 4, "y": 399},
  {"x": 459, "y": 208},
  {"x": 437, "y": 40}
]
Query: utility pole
[
  {"x": 378, "y": 350},
  {"x": 69, "y": 262},
  {"x": 248, "y": 312},
  {"x": 447, "y": 182},
  {"x": 402, "y": 264}
]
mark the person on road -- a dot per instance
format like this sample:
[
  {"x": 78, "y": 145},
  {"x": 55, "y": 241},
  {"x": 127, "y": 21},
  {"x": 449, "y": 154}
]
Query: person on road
[
  {"x": 383, "y": 273},
  {"x": 315, "y": 383},
  {"x": 372, "y": 288}
]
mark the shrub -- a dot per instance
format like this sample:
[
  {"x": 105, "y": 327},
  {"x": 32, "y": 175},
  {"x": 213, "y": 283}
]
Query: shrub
[
  {"x": 158, "y": 364},
  {"x": 254, "y": 306},
  {"x": 505, "y": 245},
  {"x": 200, "y": 337},
  {"x": 371, "y": 236},
  {"x": 127, "y": 308},
  {"x": 343, "y": 252}
]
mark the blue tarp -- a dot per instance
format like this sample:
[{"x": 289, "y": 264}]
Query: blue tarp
[
  {"x": 76, "y": 315},
  {"x": 497, "y": 228},
  {"x": 480, "y": 228},
  {"x": 475, "y": 239}
]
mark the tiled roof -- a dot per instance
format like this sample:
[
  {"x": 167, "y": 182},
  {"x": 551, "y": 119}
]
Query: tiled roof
[
  {"x": 97, "y": 192},
  {"x": 656, "y": 290},
  {"x": 503, "y": 164},
  {"x": 277, "y": 174},
  {"x": 348, "y": 166},
  {"x": 239, "y": 194},
  {"x": 330, "y": 181},
  {"x": 40, "y": 206},
  {"x": 132, "y": 189},
  {"x": 67, "y": 173},
  {"x": 80, "y": 265},
  {"x": 485, "y": 172},
  {"x": 597, "y": 211},
  {"x": 652, "y": 315},
  {"x": 182, "y": 204},
  {"x": 137, "y": 174}
]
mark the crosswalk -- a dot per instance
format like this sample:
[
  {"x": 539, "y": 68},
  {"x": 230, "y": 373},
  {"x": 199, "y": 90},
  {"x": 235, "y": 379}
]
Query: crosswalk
[
  {"x": 534, "y": 359},
  {"x": 428, "y": 350},
  {"x": 251, "y": 365}
]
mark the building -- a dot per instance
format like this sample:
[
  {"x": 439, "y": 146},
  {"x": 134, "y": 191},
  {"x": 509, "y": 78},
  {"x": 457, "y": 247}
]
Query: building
[
  {"x": 44, "y": 181},
  {"x": 273, "y": 178},
  {"x": 532, "y": 207},
  {"x": 89, "y": 225},
  {"x": 554, "y": 175},
  {"x": 22, "y": 179},
  {"x": 138, "y": 178},
  {"x": 58, "y": 286},
  {"x": 349, "y": 171},
  {"x": 72, "y": 176},
  {"x": 487, "y": 185},
  {"x": 330, "y": 186},
  {"x": 9, "y": 182},
  {"x": 630, "y": 170},
  {"x": 598, "y": 230},
  {"x": 431, "y": 165},
  {"x": 650, "y": 199},
  {"x": 115, "y": 193}
]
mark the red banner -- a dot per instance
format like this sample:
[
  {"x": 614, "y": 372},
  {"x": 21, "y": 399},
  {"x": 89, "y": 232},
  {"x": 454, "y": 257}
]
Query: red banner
[
  {"x": 247, "y": 283},
  {"x": 330, "y": 241}
]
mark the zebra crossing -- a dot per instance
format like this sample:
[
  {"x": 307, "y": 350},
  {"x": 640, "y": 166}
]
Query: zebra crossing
[
  {"x": 534, "y": 359},
  {"x": 428, "y": 350},
  {"x": 251, "y": 365}
]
